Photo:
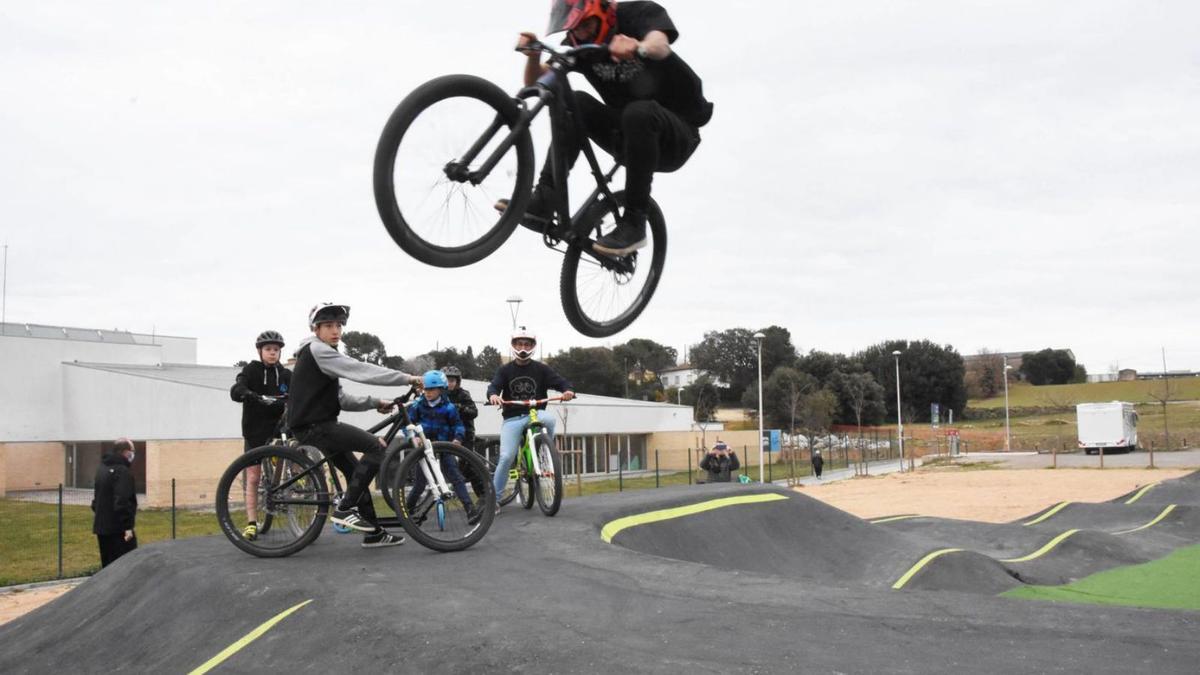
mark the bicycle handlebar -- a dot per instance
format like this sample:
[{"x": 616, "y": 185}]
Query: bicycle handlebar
[
  {"x": 566, "y": 55},
  {"x": 531, "y": 402}
]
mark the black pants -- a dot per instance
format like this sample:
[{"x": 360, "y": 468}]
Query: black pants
[
  {"x": 644, "y": 136},
  {"x": 337, "y": 441},
  {"x": 113, "y": 546}
]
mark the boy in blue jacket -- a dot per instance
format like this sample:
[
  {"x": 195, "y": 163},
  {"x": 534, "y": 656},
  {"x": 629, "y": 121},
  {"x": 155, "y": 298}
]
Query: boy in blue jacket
[{"x": 438, "y": 416}]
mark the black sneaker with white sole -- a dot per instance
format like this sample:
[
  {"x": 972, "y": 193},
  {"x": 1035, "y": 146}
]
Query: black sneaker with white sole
[
  {"x": 537, "y": 214},
  {"x": 474, "y": 514},
  {"x": 625, "y": 239},
  {"x": 352, "y": 519},
  {"x": 381, "y": 539}
]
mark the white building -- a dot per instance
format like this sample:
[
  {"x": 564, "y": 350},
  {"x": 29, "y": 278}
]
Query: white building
[
  {"x": 67, "y": 393},
  {"x": 683, "y": 375}
]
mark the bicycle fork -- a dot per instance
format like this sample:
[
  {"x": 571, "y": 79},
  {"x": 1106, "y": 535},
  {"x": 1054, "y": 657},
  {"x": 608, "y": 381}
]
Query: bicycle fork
[{"x": 431, "y": 467}]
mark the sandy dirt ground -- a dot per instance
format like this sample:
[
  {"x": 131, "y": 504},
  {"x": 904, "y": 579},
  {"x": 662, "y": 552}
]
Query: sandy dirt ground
[
  {"x": 988, "y": 495},
  {"x": 14, "y": 603}
]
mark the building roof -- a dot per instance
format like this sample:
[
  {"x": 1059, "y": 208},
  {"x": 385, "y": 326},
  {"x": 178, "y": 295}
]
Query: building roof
[
  {"x": 674, "y": 369},
  {"x": 43, "y": 331},
  {"x": 207, "y": 377}
]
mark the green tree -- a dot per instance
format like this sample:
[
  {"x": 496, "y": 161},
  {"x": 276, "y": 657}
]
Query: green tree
[
  {"x": 652, "y": 355},
  {"x": 364, "y": 347},
  {"x": 731, "y": 356},
  {"x": 703, "y": 395},
  {"x": 591, "y": 370},
  {"x": 929, "y": 373},
  {"x": 785, "y": 392},
  {"x": 1049, "y": 366},
  {"x": 241, "y": 364},
  {"x": 452, "y": 357},
  {"x": 816, "y": 411},
  {"x": 822, "y": 365},
  {"x": 487, "y": 362},
  {"x": 860, "y": 398}
]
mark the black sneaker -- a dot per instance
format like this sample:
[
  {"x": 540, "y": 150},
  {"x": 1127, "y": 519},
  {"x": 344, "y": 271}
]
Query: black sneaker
[
  {"x": 626, "y": 238},
  {"x": 352, "y": 519},
  {"x": 381, "y": 539},
  {"x": 537, "y": 214},
  {"x": 474, "y": 514}
]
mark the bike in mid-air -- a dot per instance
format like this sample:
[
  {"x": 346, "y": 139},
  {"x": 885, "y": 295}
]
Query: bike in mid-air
[{"x": 458, "y": 144}]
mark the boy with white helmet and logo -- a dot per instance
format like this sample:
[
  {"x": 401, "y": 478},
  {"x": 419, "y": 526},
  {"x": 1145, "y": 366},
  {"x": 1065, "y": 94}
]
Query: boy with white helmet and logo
[
  {"x": 521, "y": 379},
  {"x": 317, "y": 397}
]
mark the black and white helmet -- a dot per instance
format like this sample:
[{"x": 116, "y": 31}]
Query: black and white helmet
[
  {"x": 522, "y": 333},
  {"x": 268, "y": 337},
  {"x": 452, "y": 371},
  {"x": 327, "y": 311}
]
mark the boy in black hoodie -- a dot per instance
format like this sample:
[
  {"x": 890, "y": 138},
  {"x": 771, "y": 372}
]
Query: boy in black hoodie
[{"x": 261, "y": 388}]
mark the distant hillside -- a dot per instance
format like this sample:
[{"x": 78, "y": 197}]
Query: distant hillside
[{"x": 1138, "y": 391}]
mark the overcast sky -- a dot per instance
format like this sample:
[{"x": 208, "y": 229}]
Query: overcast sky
[{"x": 1005, "y": 175}]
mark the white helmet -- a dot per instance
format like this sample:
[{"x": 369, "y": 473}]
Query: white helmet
[
  {"x": 522, "y": 333},
  {"x": 327, "y": 311}
]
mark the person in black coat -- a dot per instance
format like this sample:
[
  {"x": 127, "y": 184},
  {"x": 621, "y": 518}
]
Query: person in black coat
[
  {"x": 818, "y": 463},
  {"x": 720, "y": 463},
  {"x": 115, "y": 503}
]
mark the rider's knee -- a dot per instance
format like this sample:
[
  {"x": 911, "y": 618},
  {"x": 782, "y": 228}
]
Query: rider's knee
[{"x": 639, "y": 116}]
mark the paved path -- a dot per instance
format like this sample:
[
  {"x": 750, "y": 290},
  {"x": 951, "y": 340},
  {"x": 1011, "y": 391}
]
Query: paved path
[{"x": 549, "y": 595}]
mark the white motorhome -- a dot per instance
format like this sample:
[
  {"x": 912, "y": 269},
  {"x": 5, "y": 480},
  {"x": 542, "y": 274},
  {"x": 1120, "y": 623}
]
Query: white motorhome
[{"x": 1111, "y": 427}]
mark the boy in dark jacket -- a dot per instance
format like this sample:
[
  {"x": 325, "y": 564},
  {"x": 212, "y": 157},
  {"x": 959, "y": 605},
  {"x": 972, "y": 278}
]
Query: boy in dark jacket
[
  {"x": 115, "y": 503},
  {"x": 818, "y": 463},
  {"x": 439, "y": 419},
  {"x": 261, "y": 388},
  {"x": 719, "y": 463},
  {"x": 467, "y": 412}
]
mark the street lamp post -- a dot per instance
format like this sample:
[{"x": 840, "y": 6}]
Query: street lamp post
[
  {"x": 899, "y": 422},
  {"x": 1007, "y": 441},
  {"x": 514, "y": 306},
  {"x": 760, "y": 337}
]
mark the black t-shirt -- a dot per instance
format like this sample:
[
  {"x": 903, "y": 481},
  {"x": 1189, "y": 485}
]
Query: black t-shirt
[
  {"x": 670, "y": 81},
  {"x": 516, "y": 382}
]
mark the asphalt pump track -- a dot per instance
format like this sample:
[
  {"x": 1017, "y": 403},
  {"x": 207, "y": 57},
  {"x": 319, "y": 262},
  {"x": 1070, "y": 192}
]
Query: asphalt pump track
[{"x": 712, "y": 578}]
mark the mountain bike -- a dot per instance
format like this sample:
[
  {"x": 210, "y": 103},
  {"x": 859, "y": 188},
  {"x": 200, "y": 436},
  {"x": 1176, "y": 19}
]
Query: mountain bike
[
  {"x": 538, "y": 467},
  {"x": 436, "y": 179},
  {"x": 293, "y": 497}
]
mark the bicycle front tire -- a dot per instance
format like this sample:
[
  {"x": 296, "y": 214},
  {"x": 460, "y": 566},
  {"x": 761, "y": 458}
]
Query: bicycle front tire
[
  {"x": 452, "y": 222},
  {"x": 444, "y": 526},
  {"x": 549, "y": 483},
  {"x": 304, "y": 520},
  {"x": 598, "y": 298}
]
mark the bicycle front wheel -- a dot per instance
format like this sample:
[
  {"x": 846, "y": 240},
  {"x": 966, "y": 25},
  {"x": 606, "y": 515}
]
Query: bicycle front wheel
[
  {"x": 428, "y": 190},
  {"x": 549, "y": 480},
  {"x": 280, "y": 489},
  {"x": 525, "y": 485},
  {"x": 450, "y": 521},
  {"x": 601, "y": 295}
]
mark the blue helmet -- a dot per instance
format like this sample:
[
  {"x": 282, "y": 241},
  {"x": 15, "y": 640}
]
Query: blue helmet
[{"x": 435, "y": 379}]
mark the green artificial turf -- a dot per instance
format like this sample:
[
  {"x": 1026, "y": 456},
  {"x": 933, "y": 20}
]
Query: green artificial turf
[{"x": 1172, "y": 582}]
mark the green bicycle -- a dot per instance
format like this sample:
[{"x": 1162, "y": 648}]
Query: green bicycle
[{"x": 538, "y": 469}]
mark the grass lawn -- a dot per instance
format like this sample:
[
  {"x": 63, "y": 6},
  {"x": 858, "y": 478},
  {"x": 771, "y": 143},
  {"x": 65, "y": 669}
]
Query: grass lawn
[
  {"x": 1172, "y": 582},
  {"x": 29, "y": 540},
  {"x": 1138, "y": 391}
]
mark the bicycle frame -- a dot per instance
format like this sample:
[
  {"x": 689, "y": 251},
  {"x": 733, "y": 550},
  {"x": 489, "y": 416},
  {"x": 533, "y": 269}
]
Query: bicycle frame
[
  {"x": 551, "y": 90},
  {"x": 535, "y": 427}
]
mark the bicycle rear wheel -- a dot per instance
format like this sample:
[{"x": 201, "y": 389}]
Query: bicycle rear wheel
[
  {"x": 292, "y": 501},
  {"x": 549, "y": 481},
  {"x": 600, "y": 295},
  {"x": 430, "y": 207},
  {"x": 442, "y": 522}
]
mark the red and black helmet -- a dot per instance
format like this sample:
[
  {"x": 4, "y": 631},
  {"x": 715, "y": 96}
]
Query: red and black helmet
[{"x": 566, "y": 15}]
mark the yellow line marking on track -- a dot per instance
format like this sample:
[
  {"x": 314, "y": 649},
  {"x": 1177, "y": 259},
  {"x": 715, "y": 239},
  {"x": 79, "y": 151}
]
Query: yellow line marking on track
[
  {"x": 917, "y": 568},
  {"x": 894, "y": 518},
  {"x": 1153, "y": 522},
  {"x": 1043, "y": 550},
  {"x": 1058, "y": 507},
  {"x": 611, "y": 529},
  {"x": 1138, "y": 495},
  {"x": 250, "y": 637}
]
